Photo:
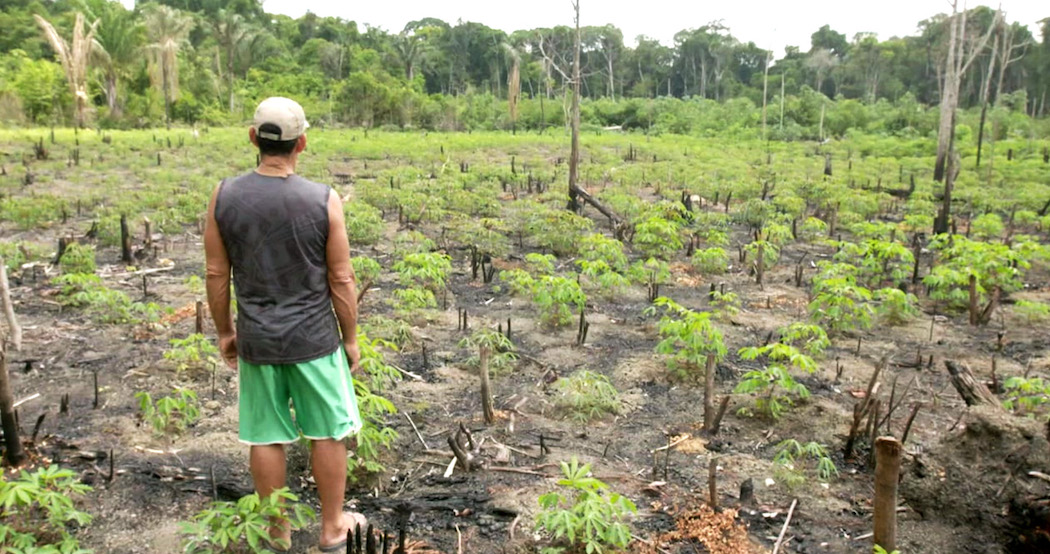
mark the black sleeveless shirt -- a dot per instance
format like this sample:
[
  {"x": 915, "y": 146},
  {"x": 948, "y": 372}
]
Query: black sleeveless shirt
[{"x": 276, "y": 233}]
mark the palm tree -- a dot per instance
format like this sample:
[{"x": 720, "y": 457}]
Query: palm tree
[
  {"x": 168, "y": 30},
  {"x": 513, "y": 85},
  {"x": 73, "y": 57},
  {"x": 230, "y": 31},
  {"x": 118, "y": 37}
]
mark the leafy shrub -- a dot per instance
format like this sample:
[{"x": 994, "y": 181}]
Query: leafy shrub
[
  {"x": 393, "y": 331},
  {"x": 1026, "y": 395},
  {"x": 657, "y": 270},
  {"x": 408, "y": 301},
  {"x": 993, "y": 266},
  {"x": 713, "y": 261},
  {"x": 539, "y": 264},
  {"x": 879, "y": 260},
  {"x": 791, "y": 453},
  {"x": 689, "y": 337},
  {"x": 596, "y": 247},
  {"x": 896, "y": 307},
  {"x": 375, "y": 435},
  {"x": 591, "y": 520},
  {"x": 170, "y": 415},
  {"x": 78, "y": 258},
  {"x": 805, "y": 336},
  {"x": 839, "y": 304},
  {"x": 812, "y": 229},
  {"x": 602, "y": 277},
  {"x": 412, "y": 242},
  {"x": 775, "y": 377},
  {"x": 233, "y": 526},
  {"x": 988, "y": 226},
  {"x": 366, "y": 270},
  {"x": 428, "y": 270},
  {"x": 192, "y": 353},
  {"x": 364, "y": 223},
  {"x": 105, "y": 305},
  {"x": 37, "y": 509},
  {"x": 500, "y": 348},
  {"x": 557, "y": 298},
  {"x": 1032, "y": 312},
  {"x": 658, "y": 237},
  {"x": 557, "y": 230},
  {"x": 725, "y": 305},
  {"x": 586, "y": 395}
]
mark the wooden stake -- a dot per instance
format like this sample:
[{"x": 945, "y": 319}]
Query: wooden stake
[
  {"x": 712, "y": 483},
  {"x": 718, "y": 417},
  {"x": 887, "y": 471},
  {"x": 94, "y": 378},
  {"x": 907, "y": 425},
  {"x": 709, "y": 392},
  {"x": 14, "y": 455},
  {"x": 125, "y": 240},
  {"x": 486, "y": 391},
  {"x": 9, "y": 308},
  {"x": 199, "y": 320},
  {"x": 783, "y": 530}
]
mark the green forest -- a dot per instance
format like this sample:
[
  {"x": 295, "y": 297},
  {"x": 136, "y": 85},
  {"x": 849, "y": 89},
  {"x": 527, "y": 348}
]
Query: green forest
[{"x": 208, "y": 62}]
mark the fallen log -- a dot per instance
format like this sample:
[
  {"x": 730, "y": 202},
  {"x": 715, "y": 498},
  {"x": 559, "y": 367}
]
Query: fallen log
[{"x": 972, "y": 391}]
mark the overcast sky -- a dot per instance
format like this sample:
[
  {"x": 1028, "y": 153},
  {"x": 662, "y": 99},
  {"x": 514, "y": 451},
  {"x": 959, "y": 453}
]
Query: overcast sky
[{"x": 771, "y": 24}]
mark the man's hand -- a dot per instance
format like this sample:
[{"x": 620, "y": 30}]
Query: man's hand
[
  {"x": 228, "y": 350},
  {"x": 353, "y": 353}
]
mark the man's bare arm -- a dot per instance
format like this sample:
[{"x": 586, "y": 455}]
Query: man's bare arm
[
  {"x": 217, "y": 282},
  {"x": 341, "y": 279}
]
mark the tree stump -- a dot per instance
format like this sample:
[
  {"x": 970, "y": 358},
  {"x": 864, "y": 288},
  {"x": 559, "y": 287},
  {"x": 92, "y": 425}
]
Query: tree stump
[{"x": 887, "y": 471}]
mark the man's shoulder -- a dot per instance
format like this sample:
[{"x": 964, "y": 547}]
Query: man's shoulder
[{"x": 308, "y": 182}]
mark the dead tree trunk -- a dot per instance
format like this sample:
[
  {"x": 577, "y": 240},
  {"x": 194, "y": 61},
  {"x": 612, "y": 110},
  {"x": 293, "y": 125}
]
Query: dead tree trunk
[
  {"x": 972, "y": 391},
  {"x": 985, "y": 91},
  {"x": 486, "y": 391},
  {"x": 125, "y": 240},
  {"x": 574, "y": 155},
  {"x": 14, "y": 455},
  {"x": 9, "y": 308},
  {"x": 887, "y": 471},
  {"x": 709, "y": 393}
]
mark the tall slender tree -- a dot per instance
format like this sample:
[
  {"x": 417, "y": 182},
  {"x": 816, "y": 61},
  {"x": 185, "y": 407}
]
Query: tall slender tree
[
  {"x": 513, "y": 85},
  {"x": 574, "y": 155},
  {"x": 120, "y": 36},
  {"x": 168, "y": 30},
  {"x": 230, "y": 32}
]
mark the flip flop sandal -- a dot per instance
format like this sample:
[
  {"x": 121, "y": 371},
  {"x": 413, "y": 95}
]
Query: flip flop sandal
[{"x": 359, "y": 521}]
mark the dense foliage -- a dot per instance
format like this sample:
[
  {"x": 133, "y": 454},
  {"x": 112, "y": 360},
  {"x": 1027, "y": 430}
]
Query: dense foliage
[{"x": 210, "y": 62}]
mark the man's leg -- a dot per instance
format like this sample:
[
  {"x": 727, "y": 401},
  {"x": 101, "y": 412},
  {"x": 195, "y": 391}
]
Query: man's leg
[
  {"x": 329, "y": 465},
  {"x": 267, "y": 463}
]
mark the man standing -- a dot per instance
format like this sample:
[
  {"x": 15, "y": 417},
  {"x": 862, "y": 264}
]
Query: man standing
[{"x": 284, "y": 239}]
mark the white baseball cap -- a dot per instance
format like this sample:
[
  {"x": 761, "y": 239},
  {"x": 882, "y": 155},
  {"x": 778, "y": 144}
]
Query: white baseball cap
[{"x": 283, "y": 113}]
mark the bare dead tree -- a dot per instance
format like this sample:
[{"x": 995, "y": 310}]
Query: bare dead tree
[
  {"x": 961, "y": 55},
  {"x": 574, "y": 156}
]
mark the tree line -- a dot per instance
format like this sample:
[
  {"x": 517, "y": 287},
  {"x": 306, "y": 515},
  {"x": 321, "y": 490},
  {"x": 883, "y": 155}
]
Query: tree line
[{"x": 94, "y": 62}]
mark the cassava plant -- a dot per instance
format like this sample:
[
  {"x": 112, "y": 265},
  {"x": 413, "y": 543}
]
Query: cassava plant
[
  {"x": 695, "y": 346},
  {"x": 773, "y": 385},
  {"x": 488, "y": 342},
  {"x": 587, "y": 517},
  {"x": 586, "y": 395}
]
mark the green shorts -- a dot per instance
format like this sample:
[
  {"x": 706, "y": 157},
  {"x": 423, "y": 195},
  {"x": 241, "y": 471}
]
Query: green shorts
[{"x": 320, "y": 392}]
